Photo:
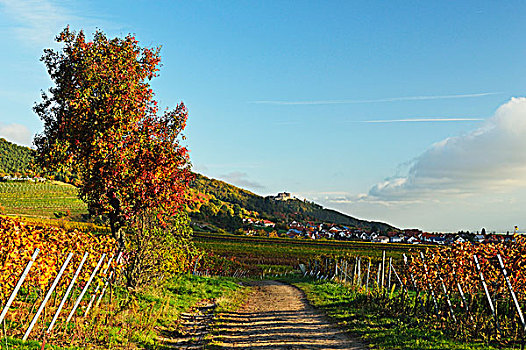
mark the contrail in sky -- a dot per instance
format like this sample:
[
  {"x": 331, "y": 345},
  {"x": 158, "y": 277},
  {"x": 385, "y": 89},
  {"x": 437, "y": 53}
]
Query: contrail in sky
[
  {"x": 389, "y": 99},
  {"x": 419, "y": 120}
]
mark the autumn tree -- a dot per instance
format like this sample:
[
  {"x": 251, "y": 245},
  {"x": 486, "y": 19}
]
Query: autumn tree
[{"x": 101, "y": 122}]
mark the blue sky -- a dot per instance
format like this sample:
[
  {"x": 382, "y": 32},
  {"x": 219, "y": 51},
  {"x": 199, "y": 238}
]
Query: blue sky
[{"x": 393, "y": 111}]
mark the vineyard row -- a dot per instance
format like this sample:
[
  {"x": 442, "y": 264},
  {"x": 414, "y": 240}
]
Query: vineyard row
[{"x": 475, "y": 292}]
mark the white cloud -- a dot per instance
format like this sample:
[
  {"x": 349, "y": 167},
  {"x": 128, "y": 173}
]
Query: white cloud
[
  {"x": 241, "y": 179},
  {"x": 377, "y": 100},
  {"x": 39, "y": 21},
  {"x": 491, "y": 158},
  {"x": 16, "y": 133},
  {"x": 420, "y": 120}
]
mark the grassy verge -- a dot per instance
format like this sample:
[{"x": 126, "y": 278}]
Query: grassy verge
[
  {"x": 232, "y": 301},
  {"x": 133, "y": 320},
  {"x": 12, "y": 343},
  {"x": 159, "y": 308},
  {"x": 228, "y": 304},
  {"x": 374, "y": 325}
]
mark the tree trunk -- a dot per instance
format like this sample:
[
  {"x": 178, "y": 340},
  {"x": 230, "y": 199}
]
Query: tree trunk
[{"x": 115, "y": 220}]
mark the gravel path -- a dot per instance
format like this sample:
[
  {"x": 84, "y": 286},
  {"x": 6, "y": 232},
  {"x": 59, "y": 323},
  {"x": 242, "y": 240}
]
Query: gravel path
[{"x": 277, "y": 316}]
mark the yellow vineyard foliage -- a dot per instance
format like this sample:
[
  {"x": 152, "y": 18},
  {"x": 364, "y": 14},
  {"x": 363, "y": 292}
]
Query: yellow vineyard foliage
[
  {"x": 67, "y": 225},
  {"x": 455, "y": 264},
  {"x": 19, "y": 239}
]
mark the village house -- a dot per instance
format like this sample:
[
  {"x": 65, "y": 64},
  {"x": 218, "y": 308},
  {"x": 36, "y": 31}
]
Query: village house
[
  {"x": 364, "y": 236},
  {"x": 413, "y": 240},
  {"x": 267, "y": 223},
  {"x": 397, "y": 239},
  {"x": 296, "y": 225},
  {"x": 479, "y": 238},
  {"x": 294, "y": 233},
  {"x": 381, "y": 239},
  {"x": 459, "y": 239},
  {"x": 31, "y": 179}
]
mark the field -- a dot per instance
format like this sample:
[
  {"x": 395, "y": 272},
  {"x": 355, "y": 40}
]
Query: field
[
  {"x": 285, "y": 254},
  {"x": 48, "y": 199}
]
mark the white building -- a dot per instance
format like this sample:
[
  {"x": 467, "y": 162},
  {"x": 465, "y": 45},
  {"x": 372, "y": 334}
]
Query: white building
[{"x": 283, "y": 196}]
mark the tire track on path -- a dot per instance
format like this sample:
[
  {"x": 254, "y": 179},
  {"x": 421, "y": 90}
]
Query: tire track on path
[{"x": 278, "y": 316}]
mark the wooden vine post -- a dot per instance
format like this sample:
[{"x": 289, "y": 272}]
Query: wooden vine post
[
  {"x": 367, "y": 278},
  {"x": 383, "y": 269},
  {"x": 417, "y": 297},
  {"x": 444, "y": 289},
  {"x": 19, "y": 284},
  {"x": 66, "y": 294},
  {"x": 512, "y": 292},
  {"x": 486, "y": 291},
  {"x": 435, "y": 303},
  {"x": 46, "y": 298}
]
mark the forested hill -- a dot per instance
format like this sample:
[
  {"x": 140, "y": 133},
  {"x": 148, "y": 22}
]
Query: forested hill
[
  {"x": 223, "y": 205},
  {"x": 18, "y": 161},
  {"x": 15, "y": 160}
]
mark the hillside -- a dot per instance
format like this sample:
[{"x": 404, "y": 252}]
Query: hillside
[
  {"x": 225, "y": 205},
  {"x": 50, "y": 199},
  {"x": 15, "y": 160},
  {"x": 18, "y": 161},
  {"x": 214, "y": 203}
]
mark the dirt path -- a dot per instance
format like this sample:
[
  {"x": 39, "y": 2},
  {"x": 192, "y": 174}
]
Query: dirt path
[{"x": 277, "y": 316}]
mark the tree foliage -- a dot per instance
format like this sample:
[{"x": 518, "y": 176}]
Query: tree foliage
[
  {"x": 156, "y": 251},
  {"x": 101, "y": 121}
]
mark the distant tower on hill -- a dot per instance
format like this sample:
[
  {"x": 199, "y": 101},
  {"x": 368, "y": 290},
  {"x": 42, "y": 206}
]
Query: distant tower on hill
[{"x": 283, "y": 196}]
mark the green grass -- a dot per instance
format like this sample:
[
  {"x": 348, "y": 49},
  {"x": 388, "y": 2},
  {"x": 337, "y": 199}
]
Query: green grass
[
  {"x": 185, "y": 290},
  {"x": 11, "y": 343},
  {"x": 159, "y": 308},
  {"x": 369, "y": 321},
  {"x": 40, "y": 199}
]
